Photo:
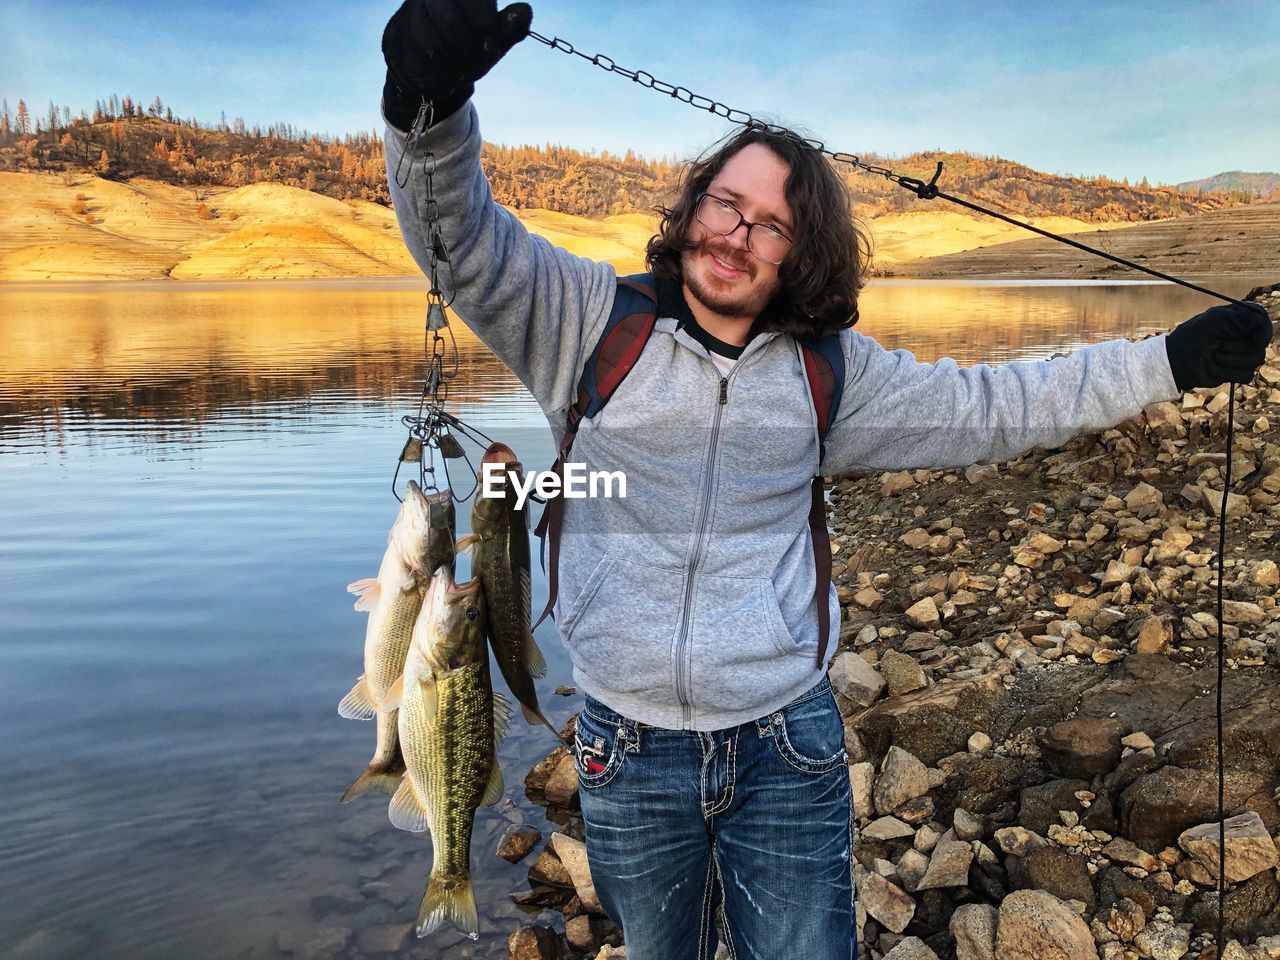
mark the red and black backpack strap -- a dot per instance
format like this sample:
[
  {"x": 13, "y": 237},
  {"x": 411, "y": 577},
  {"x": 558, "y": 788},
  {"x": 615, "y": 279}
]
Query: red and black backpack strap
[
  {"x": 824, "y": 369},
  {"x": 631, "y": 321}
]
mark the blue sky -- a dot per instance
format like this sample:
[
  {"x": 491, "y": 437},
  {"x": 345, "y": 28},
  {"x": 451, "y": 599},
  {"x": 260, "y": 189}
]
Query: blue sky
[{"x": 1172, "y": 90}]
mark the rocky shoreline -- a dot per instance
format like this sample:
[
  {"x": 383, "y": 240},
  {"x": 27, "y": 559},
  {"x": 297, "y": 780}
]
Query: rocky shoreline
[{"x": 1026, "y": 670}]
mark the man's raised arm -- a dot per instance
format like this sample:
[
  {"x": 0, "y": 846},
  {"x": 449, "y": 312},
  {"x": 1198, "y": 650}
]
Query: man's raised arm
[{"x": 534, "y": 304}]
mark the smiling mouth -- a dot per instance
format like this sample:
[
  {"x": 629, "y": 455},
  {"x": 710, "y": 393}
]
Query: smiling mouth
[{"x": 727, "y": 267}]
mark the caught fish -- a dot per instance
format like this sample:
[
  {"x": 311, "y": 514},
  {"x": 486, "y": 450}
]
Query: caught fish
[
  {"x": 499, "y": 547},
  {"x": 420, "y": 542},
  {"x": 450, "y": 724}
]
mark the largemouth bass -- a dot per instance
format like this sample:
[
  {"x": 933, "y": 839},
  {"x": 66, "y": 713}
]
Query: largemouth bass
[
  {"x": 450, "y": 724},
  {"x": 420, "y": 542},
  {"x": 499, "y": 547}
]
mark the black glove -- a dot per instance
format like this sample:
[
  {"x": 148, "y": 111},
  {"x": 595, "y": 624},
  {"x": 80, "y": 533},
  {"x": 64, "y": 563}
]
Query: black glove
[
  {"x": 1223, "y": 343},
  {"x": 437, "y": 49}
]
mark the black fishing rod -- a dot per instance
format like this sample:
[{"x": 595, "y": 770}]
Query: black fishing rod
[{"x": 928, "y": 190}]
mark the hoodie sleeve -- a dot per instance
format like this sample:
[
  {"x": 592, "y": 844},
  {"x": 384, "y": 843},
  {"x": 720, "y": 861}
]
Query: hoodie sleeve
[
  {"x": 897, "y": 413},
  {"x": 535, "y": 305}
]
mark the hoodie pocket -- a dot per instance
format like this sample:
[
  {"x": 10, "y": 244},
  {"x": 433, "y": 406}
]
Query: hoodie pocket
[
  {"x": 740, "y": 641},
  {"x": 620, "y": 629}
]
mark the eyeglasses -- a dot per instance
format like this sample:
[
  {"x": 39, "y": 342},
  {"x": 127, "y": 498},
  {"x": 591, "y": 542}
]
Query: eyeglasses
[{"x": 722, "y": 217}]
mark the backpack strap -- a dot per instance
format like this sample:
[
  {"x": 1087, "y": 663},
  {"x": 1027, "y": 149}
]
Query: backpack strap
[
  {"x": 823, "y": 361},
  {"x": 631, "y": 321}
]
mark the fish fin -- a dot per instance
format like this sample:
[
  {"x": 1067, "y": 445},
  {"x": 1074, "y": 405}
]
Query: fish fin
[
  {"x": 495, "y": 787},
  {"x": 395, "y": 695},
  {"x": 466, "y": 546},
  {"x": 448, "y": 900},
  {"x": 367, "y": 592},
  {"x": 534, "y": 662},
  {"x": 407, "y": 812},
  {"x": 357, "y": 704},
  {"x": 501, "y": 717},
  {"x": 534, "y": 715},
  {"x": 430, "y": 698},
  {"x": 372, "y": 779}
]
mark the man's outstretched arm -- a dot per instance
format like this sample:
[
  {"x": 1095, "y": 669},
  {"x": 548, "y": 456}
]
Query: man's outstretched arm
[{"x": 897, "y": 413}]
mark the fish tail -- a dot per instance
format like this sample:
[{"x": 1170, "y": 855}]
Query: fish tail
[
  {"x": 373, "y": 778},
  {"x": 534, "y": 715},
  {"x": 449, "y": 898}
]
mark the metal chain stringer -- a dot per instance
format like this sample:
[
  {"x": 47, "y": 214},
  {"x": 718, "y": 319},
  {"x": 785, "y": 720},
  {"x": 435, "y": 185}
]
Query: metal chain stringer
[{"x": 433, "y": 430}]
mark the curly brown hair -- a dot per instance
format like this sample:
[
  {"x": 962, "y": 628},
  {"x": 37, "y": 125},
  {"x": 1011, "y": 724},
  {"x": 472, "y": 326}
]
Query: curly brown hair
[{"x": 830, "y": 253}]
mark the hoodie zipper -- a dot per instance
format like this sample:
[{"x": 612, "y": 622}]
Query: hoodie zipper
[{"x": 682, "y": 678}]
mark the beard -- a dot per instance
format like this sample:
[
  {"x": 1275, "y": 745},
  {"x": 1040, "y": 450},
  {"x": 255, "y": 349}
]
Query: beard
[{"x": 745, "y": 298}]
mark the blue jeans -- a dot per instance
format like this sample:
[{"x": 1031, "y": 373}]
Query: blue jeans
[{"x": 757, "y": 817}]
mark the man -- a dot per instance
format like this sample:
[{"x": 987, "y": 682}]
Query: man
[{"x": 710, "y": 750}]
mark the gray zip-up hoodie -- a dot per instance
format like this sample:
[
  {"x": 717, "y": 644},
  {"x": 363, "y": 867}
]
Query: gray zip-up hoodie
[{"x": 689, "y": 604}]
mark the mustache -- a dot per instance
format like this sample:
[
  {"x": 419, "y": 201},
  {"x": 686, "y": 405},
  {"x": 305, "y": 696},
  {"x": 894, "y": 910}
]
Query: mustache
[{"x": 718, "y": 248}]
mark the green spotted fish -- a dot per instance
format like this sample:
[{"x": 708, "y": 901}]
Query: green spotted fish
[{"x": 450, "y": 724}]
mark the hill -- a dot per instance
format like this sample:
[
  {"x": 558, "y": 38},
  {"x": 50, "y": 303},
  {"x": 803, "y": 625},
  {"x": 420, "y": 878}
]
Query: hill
[
  {"x": 122, "y": 141},
  {"x": 1247, "y": 186},
  {"x": 1241, "y": 241}
]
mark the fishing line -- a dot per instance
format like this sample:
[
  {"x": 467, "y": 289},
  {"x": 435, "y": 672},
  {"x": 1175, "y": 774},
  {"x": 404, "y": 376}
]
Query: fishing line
[{"x": 928, "y": 190}]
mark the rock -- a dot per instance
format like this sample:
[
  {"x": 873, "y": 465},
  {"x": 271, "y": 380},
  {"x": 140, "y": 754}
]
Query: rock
[
  {"x": 1019, "y": 841},
  {"x": 562, "y": 786},
  {"x": 1155, "y": 634},
  {"x": 1129, "y": 854},
  {"x": 1082, "y": 747},
  {"x": 1138, "y": 741},
  {"x": 1126, "y": 919},
  {"x": 924, "y": 613},
  {"x": 912, "y": 948},
  {"x": 1040, "y": 805},
  {"x": 1266, "y": 574},
  {"x": 886, "y": 902},
  {"x": 1250, "y": 849},
  {"x": 967, "y": 826},
  {"x": 887, "y": 828},
  {"x": 868, "y": 598},
  {"x": 1241, "y": 611},
  {"x": 1157, "y": 807},
  {"x": 978, "y": 473},
  {"x": 322, "y": 943},
  {"x": 337, "y": 900},
  {"x": 916, "y": 810},
  {"x": 586, "y": 933},
  {"x": 1035, "y": 925},
  {"x": 1164, "y": 421},
  {"x": 385, "y": 938},
  {"x": 862, "y": 778},
  {"x": 891, "y": 484},
  {"x": 535, "y": 781},
  {"x": 1144, "y": 501},
  {"x": 979, "y": 743},
  {"x": 855, "y": 682},
  {"x": 1163, "y": 942},
  {"x": 548, "y": 869},
  {"x": 902, "y": 778},
  {"x": 533, "y": 943},
  {"x": 902, "y": 672},
  {"x": 518, "y": 841},
  {"x": 912, "y": 866},
  {"x": 1252, "y": 908},
  {"x": 573, "y": 854},
  {"x": 973, "y": 927},
  {"x": 1117, "y": 572},
  {"x": 927, "y": 733},
  {"x": 1172, "y": 542},
  {"x": 948, "y": 865},
  {"x": 1054, "y": 870},
  {"x": 1237, "y": 504}
]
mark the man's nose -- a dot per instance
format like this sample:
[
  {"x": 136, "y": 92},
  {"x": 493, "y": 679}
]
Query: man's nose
[{"x": 738, "y": 236}]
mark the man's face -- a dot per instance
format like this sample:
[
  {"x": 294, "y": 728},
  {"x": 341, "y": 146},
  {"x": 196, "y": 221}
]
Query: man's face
[{"x": 720, "y": 272}]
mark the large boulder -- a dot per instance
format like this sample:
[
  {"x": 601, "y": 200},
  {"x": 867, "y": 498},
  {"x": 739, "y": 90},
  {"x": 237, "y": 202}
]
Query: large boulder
[
  {"x": 1249, "y": 847},
  {"x": 1082, "y": 747},
  {"x": 1035, "y": 925},
  {"x": 1158, "y": 807}
]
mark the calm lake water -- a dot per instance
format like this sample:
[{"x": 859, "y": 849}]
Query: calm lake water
[{"x": 190, "y": 473}]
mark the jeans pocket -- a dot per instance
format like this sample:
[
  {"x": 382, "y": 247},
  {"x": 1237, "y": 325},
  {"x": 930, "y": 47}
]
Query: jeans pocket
[
  {"x": 809, "y": 734},
  {"x": 598, "y": 750}
]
